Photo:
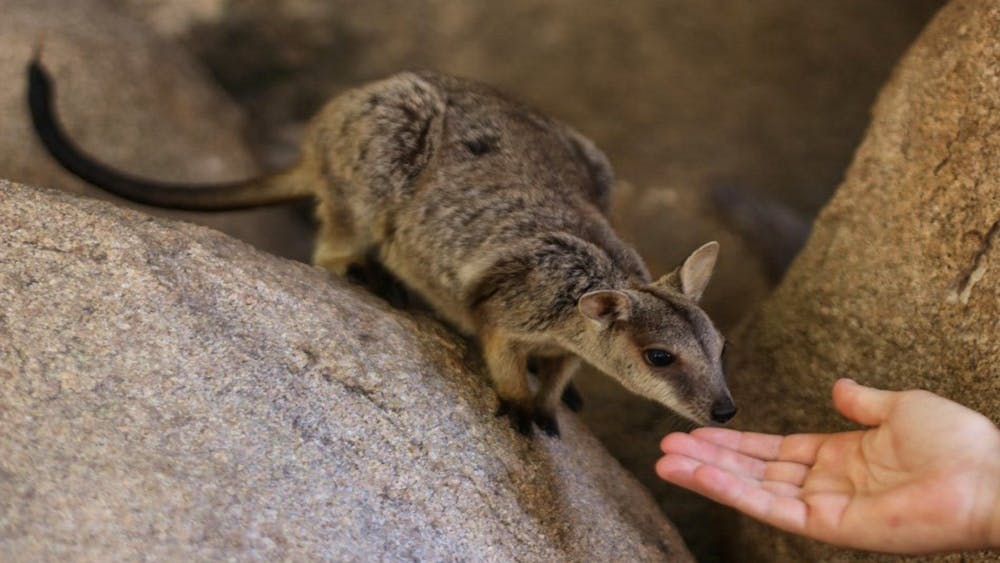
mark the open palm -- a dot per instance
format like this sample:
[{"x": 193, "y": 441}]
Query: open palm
[{"x": 925, "y": 477}]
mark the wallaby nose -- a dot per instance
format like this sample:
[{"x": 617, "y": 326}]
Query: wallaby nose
[{"x": 723, "y": 410}]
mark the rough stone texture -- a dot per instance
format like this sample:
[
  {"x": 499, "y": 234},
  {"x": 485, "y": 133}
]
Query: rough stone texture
[
  {"x": 899, "y": 286},
  {"x": 773, "y": 94},
  {"x": 169, "y": 393},
  {"x": 134, "y": 101}
]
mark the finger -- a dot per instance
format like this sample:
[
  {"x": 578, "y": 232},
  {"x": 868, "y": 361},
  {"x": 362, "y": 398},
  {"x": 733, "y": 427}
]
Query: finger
[
  {"x": 786, "y": 512},
  {"x": 761, "y": 446},
  {"x": 865, "y": 405},
  {"x": 708, "y": 452},
  {"x": 796, "y": 448},
  {"x": 802, "y": 448},
  {"x": 731, "y": 460},
  {"x": 779, "y": 477},
  {"x": 677, "y": 469},
  {"x": 781, "y": 488},
  {"x": 825, "y": 482},
  {"x": 680, "y": 469},
  {"x": 787, "y": 472}
]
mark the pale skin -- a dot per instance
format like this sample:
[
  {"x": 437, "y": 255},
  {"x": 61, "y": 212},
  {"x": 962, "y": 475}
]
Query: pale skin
[{"x": 923, "y": 477}]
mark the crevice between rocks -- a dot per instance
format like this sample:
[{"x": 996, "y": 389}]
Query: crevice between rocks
[{"x": 961, "y": 290}]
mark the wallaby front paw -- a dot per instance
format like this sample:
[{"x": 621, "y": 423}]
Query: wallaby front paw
[
  {"x": 376, "y": 279},
  {"x": 548, "y": 424},
  {"x": 520, "y": 417}
]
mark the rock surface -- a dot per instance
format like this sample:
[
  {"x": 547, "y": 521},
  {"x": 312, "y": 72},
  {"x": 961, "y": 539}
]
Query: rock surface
[
  {"x": 137, "y": 102},
  {"x": 169, "y": 393},
  {"x": 773, "y": 94},
  {"x": 899, "y": 286}
]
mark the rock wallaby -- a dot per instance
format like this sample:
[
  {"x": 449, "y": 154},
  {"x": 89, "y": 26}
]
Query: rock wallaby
[{"x": 493, "y": 214}]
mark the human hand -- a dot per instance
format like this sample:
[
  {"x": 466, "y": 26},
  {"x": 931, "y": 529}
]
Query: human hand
[{"x": 925, "y": 477}]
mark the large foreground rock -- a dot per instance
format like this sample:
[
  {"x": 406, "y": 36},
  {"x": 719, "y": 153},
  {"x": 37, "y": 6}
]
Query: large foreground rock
[
  {"x": 167, "y": 392},
  {"x": 135, "y": 101},
  {"x": 899, "y": 286}
]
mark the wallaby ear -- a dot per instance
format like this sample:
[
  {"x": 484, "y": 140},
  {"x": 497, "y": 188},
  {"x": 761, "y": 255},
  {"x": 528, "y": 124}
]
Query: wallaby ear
[
  {"x": 697, "y": 270},
  {"x": 605, "y": 306},
  {"x": 692, "y": 277}
]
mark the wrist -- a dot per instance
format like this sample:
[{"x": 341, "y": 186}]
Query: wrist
[
  {"x": 994, "y": 540},
  {"x": 995, "y": 535},
  {"x": 994, "y": 530},
  {"x": 986, "y": 518}
]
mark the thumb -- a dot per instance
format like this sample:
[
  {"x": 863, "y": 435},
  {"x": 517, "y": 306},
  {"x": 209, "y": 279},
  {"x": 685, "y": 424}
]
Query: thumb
[{"x": 864, "y": 405}]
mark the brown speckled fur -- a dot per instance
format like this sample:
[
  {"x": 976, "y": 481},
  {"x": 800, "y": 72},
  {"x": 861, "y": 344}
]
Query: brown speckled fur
[{"x": 497, "y": 217}]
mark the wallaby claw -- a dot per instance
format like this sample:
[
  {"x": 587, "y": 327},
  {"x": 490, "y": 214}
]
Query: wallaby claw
[
  {"x": 376, "y": 279},
  {"x": 547, "y": 424},
  {"x": 520, "y": 418}
]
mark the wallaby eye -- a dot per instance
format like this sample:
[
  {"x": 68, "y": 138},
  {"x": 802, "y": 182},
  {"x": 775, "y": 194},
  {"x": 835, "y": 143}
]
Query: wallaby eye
[
  {"x": 658, "y": 358},
  {"x": 481, "y": 146}
]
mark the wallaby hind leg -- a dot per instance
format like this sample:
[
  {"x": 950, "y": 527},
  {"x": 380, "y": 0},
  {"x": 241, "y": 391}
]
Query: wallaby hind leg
[
  {"x": 339, "y": 250},
  {"x": 554, "y": 374},
  {"x": 507, "y": 365},
  {"x": 337, "y": 244}
]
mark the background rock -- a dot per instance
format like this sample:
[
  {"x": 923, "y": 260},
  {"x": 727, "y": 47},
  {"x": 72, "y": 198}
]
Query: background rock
[
  {"x": 137, "y": 102},
  {"x": 899, "y": 286},
  {"x": 170, "y": 393},
  {"x": 772, "y": 94},
  {"x": 684, "y": 95}
]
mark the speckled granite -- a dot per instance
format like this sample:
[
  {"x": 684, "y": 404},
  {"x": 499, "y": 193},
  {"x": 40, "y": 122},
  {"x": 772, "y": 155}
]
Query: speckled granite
[
  {"x": 169, "y": 393},
  {"x": 134, "y": 100},
  {"x": 899, "y": 286}
]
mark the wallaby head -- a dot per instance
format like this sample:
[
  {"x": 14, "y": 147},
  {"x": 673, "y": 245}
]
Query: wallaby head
[{"x": 659, "y": 343}]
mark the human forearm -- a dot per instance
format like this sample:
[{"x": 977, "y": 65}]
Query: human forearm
[
  {"x": 995, "y": 530},
  {"x": 982, "y": 483},
  {"x": 989, "y": 480},
  {"x": 994, "y": 536}
]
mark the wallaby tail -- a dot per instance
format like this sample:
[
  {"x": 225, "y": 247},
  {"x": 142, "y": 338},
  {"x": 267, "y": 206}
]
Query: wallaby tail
[
  {"x": 280, "y": 187},
  {"x": 772, "y": 230}
]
